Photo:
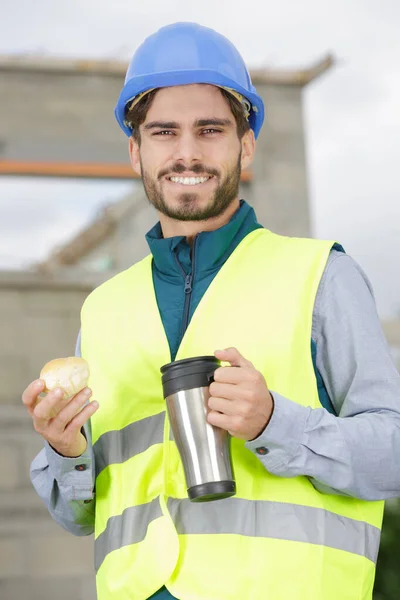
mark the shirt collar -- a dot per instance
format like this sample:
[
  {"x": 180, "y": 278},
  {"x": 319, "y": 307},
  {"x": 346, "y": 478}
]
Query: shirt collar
[{"x": 212, "y": 247}]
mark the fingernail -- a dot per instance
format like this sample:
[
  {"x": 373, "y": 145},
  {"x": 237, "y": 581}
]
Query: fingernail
[
  {"x": 87, "y": 392},
  {"x": 38, "y": 383},
  {"x": 58, "y": 392},
  {"x": 95, "y": 404}
]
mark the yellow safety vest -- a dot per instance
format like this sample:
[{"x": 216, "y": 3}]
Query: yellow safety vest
[{"x": 278, "y": 538}]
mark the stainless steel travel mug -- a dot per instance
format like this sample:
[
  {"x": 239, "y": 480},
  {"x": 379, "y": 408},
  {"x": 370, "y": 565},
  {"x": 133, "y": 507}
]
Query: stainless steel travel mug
[{"x": 203, "y": 448}]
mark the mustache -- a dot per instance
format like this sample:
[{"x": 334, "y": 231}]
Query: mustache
[{"x": 197, "y": 169}]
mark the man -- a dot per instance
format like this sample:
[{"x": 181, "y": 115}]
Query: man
[{"x": 311, "y": 396}]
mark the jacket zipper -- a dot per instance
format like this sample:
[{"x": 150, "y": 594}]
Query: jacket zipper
[{"x": 188, "y": 279}]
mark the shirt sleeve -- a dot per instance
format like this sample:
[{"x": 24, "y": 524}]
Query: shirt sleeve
[
  {"x": 66, "y": 485},
  {"x": 357, "y": 452}
]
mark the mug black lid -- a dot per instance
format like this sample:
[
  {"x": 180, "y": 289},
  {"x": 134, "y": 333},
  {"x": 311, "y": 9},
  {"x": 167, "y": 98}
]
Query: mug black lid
[
  {"x": 188, "y": 373},
  {"x": 197, "y": 364}
]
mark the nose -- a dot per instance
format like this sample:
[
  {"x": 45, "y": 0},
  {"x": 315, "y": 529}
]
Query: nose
[{"x": 187, "y": 149}]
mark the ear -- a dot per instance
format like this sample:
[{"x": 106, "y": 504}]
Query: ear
[
  {"x": 134, "y": 155},
  {"x": 248, "y": 148}
]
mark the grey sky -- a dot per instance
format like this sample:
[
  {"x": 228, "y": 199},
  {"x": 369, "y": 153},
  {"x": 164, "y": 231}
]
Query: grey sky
[{"x": 352, "y": 113}]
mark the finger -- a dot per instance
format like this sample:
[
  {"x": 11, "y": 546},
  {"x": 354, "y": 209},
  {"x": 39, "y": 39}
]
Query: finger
[
  {"x": 233, "y": 356},
  {"x": 233, "y": 375},
  {"x": 226, "y": 390},
  {"x": 221, "y": 405},
  {"x": 220, "y": 420},
  {"x": 73, "y": 407},
  {"x": 48, "y": 407},
  {"x": 82, "y": 417},
  {"x": 31, "y": 393}
]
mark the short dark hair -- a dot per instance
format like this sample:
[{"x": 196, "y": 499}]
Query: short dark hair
[{"x": 137, "y": 115}]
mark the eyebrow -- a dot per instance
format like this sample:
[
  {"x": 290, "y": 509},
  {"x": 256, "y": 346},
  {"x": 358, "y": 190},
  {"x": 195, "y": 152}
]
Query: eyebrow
[
  {"x": 215, "y": 122},
  {"x": 162, "y": 125},
  {"x": 199, "y": 123}
]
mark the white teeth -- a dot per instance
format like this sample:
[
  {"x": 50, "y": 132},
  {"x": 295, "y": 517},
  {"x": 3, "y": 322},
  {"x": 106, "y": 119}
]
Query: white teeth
[{"x": 189, "y": 180}]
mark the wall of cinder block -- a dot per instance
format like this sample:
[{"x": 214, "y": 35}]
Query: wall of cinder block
[{"x": 39, "y": 320}]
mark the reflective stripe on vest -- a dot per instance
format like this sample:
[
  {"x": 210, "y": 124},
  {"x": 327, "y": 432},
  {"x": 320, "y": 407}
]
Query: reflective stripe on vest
[
  {"x": 128, "y": 528},
  {"x": 278, "y": 520},
  {"x": 117, "y": 446}
]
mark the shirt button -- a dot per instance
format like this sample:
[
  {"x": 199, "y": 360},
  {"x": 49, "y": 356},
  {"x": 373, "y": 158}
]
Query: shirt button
[
  {"x": 80, "y": 467},
  {"x": 262, "y": 450}
]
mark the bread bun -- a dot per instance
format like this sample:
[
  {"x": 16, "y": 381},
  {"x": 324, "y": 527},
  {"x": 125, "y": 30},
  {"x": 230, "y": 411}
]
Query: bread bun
[{"x": 70, "y": 374}]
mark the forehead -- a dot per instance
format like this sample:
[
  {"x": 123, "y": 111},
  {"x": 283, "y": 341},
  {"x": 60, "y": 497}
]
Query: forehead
[{"x": 194, "y": 100}]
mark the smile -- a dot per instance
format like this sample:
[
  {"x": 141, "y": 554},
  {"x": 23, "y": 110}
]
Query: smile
[{"x": 189, "y": 180}]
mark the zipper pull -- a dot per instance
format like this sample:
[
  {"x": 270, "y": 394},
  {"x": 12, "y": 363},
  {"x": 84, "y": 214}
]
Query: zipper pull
[{"x": 188, "y": 284}]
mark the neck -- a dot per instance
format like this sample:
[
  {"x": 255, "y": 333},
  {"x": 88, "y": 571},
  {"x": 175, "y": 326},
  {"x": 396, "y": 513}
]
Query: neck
[{"x": 189, "y": 229}]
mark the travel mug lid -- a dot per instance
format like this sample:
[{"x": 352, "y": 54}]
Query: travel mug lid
[{"x": 188, "y": 373}]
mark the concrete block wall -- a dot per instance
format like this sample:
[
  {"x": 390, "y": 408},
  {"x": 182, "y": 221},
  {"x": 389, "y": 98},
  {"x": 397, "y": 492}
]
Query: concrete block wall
[
  {"x": 280, "y": 188},
  {"x": 62, "y": 123},
  {"x": 39, "y": 320}
]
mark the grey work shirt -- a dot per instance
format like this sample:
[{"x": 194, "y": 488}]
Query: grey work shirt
[{"x": 356, "y": 453}]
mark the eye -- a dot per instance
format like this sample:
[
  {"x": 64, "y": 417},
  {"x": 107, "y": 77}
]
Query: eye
[
  {"x": 210, "y": 131},
  {"x": 164, "y": 132}
]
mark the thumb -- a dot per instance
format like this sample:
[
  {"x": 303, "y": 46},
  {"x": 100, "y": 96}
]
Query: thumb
[{"x": 232, "y": 356}]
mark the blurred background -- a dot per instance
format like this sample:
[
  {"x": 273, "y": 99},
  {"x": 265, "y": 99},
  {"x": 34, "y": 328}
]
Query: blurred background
[{"x": 72, "y": 213}]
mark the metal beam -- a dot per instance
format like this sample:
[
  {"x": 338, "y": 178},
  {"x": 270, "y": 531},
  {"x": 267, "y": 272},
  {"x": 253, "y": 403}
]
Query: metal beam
[{"x": 76, "y": 170}]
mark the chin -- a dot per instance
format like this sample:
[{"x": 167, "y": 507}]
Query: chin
[
  {"x": 194, "y": 197},
  {"x": 188, "y": 207}
]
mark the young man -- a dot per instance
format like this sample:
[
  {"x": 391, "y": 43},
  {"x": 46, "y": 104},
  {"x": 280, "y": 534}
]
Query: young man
[{"x": 311, "y": 396}]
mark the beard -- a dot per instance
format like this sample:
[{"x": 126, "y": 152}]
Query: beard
[{"x": 188, "y": 209}]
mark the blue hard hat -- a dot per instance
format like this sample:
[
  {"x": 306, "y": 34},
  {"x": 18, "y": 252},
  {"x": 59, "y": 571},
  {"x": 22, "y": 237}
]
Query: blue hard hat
[{"x": 186, "y": 53}]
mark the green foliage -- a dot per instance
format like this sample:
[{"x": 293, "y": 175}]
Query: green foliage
[{"x": 387, "y": 582}]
